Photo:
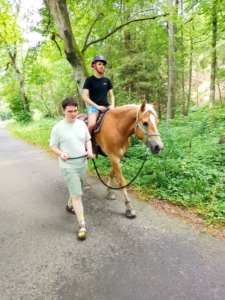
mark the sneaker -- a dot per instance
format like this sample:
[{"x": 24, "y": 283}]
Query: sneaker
[
  {"x": 82, "y": 232},
  {"x": 70, "y": 209}
]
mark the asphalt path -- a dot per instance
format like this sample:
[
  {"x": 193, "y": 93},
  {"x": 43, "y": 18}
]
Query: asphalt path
[{"x": 151, "y": 257}]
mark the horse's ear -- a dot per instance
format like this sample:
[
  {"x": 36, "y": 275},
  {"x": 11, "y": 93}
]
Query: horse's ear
[
  {"x": 154, "y": 104},
  {"x": 143, "y": 105}
]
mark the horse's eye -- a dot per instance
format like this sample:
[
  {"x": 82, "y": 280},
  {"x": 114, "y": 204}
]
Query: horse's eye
[{"x": 145, "y": 123}]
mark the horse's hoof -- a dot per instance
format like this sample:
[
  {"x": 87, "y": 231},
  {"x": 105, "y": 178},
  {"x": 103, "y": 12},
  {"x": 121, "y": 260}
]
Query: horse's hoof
[
  {"x": 111, "y": 196},
  {"x": 87, "y": 187},
  {"x": 130, "y": 213}
]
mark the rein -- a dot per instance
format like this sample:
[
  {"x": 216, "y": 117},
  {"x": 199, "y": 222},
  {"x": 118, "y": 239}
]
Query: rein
[
  {"x": 122, "y": 187},
  {"x": 77, "y": 157},
  {"x": 110, "y": 187}
]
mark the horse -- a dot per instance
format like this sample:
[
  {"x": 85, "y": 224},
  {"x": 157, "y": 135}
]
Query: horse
[{"x": 113, "y": 137}]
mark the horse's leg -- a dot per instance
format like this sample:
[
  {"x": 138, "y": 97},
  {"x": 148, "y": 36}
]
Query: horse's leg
[
  {"x": 86, "y": 184},
  {"x": 130, "y": 211},
  {"x": 110, "y": 194}
]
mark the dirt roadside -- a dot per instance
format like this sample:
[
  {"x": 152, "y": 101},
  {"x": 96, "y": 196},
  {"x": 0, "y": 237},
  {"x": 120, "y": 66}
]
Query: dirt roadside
[{"x": 190, "y": 217}]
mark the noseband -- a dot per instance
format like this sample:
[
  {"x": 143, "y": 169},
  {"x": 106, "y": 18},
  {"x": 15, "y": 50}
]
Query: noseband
[{"x": 142, "y": 128}]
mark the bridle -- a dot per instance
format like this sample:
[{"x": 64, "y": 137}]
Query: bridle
[{"x": 142, "y": 128}]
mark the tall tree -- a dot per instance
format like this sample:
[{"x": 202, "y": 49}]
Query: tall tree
[
  {"x": 213, "y": 55},
  {"x": 186, "y": 105},
  {"x": 59, "y": 12},
  {"x": 10, "y": 38},
  {"x": 171, "y": 66}
]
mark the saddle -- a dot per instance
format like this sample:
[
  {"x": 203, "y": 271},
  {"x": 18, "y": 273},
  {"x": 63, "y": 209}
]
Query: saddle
[{"x": 84, "y": 117}]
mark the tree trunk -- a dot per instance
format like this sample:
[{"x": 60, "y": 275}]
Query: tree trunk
[
  {"x": 23, "y": 95},
  {"x": 220, "y": 95},
  {"x": 171, "y": 70},
  {"x": 59, "y": 12},
  {"x": 183, "y": 85},
  {"x": 183, "y": 97},
  {"x": 190, "y": 74},
  {"x": 214, "y": 59},
  {"x": 20, "y": 79},
  {"x": 49, "y": 113}
]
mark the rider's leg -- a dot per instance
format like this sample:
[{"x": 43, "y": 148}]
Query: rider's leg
[{"x": 92, "y": 118}]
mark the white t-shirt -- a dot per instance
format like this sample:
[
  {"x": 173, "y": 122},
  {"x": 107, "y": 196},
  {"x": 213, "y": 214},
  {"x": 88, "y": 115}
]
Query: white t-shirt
[{"x": 70, "y": 138}]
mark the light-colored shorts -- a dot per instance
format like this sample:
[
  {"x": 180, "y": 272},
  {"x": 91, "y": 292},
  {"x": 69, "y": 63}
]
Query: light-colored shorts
[
  {"x": 92, "y": 109},
  {"x": 74, "y": 179}
]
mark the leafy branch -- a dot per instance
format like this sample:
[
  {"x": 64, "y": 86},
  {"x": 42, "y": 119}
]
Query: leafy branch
[
  {"x": 92, "y": 26},
  {"x": 86, "y": 45}
]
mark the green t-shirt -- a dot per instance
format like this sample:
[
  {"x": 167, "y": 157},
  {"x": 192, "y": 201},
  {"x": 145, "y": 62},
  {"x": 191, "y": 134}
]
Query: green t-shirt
[{"x": 70, "y": 138}]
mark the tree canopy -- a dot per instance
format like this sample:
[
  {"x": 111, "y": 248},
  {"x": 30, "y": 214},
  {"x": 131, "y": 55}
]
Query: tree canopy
[{"x": 156, "y": 51}]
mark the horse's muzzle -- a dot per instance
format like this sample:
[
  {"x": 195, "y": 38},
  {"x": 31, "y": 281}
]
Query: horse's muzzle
[{"x": 155, "y": 146}]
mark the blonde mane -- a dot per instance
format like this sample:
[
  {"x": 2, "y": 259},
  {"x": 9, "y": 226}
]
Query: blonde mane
[{"x": 148, "y": 107}]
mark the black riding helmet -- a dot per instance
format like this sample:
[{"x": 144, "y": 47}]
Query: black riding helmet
[{"x": 98, "y": 58}]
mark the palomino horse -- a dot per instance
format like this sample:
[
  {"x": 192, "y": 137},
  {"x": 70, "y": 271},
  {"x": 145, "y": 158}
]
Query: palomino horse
[{"x": 114, "y": 139}]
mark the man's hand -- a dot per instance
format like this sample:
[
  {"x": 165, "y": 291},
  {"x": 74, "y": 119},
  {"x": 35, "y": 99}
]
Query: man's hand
[
  {"x": 102, "y": 108},
  {"x": 63, "y": 156},
  {"x": 89, "y": 154}
]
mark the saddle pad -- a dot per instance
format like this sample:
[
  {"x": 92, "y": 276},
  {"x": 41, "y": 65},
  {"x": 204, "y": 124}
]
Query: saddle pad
[
  {"x": 101, "y": 116},
  {"x": 83, "y": 117},
  {"x": 100, "y": 119}
]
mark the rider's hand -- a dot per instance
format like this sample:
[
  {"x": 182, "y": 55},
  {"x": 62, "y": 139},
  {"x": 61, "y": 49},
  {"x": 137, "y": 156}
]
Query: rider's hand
[{"x": 102, "y": 108}]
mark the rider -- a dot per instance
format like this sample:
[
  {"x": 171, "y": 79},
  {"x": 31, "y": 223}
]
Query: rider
[{"x": 95, "y": 90}]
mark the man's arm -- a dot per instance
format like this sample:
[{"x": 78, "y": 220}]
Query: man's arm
[
  {"x": 112, "y": 99},
  {"x": 86, "y": 99},
  {"x": 88, "y": 146}
]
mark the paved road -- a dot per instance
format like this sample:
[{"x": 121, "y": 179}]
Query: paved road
[{"x": 152, "y": 257}]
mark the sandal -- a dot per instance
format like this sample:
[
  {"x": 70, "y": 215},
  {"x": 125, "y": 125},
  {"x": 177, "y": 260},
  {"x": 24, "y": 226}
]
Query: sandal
[
  {"x": 82, "y": 232},
  {"x": 70, "y": 209}
]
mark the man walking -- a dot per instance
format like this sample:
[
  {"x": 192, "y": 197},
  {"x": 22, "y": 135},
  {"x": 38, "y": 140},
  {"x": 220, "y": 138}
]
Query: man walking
[{"x": 70, "y": 139}]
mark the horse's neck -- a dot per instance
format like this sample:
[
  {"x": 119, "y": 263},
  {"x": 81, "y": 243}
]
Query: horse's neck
[{"x": 126, "y": 116}]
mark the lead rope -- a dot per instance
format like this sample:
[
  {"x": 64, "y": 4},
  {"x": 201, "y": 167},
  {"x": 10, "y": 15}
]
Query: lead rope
[{"x": 110, "y": 187}]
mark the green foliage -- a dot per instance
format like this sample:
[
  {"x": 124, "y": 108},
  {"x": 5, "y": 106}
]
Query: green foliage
[
  {"x": 16, "y": 105},
  {"x": 5, "y": 112},
  {"x": 9, "y": 29},
  {"x": 37, "y": 133}
]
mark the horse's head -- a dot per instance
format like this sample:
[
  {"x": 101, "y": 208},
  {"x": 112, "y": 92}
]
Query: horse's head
[{"x": 146, "y": 127}]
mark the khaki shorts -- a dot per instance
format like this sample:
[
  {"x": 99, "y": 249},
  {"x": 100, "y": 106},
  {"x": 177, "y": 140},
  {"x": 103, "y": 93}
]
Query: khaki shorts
[{"x": 74, "y": 179}]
